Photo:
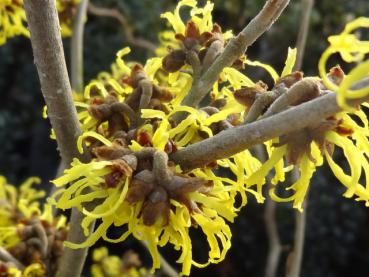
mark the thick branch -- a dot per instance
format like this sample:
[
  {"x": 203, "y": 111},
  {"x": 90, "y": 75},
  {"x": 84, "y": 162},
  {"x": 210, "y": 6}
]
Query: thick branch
[
  {"x": 77, "y": 47},
  {"x": 128, "y": 32},
  {"x": 235, "y": 48},
  {"x": 234, "y": 140},
  {"x": 49, "y": 58}
]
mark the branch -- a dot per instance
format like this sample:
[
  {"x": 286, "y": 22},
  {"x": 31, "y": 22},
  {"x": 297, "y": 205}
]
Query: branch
[
  {"x": 301, "y": 91},
  {"x": 306, "y": 8},
  {"x": 43, "y": 24},
  {"x": 127, "y": 30},
  {"x": 50, "y": 62},
  {"x": 5, "y": 256},
  {"x": 166, "y": 268},
  {"x": 275, "y": 247},
  {"x": 234, "y": 49},
  {"x": 77, "y": 47},
  {"x": 294, "y": 259},
  {"x": 234, "y": 140},
  {"x": 271, "y": 225},
  {"x": 263, "y": 100}
]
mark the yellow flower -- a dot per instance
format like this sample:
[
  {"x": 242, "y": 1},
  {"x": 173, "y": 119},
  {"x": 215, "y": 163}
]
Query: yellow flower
[
  {"x": 12, "y": 20},
  {"x": 106, "y": 265},
  {"x": 307, "y": 149},
  {"x": 152, "y": 209},
  {"x": 33, "y": 270},
  {"x": 351, "y": 49},
  {"x": 67, "y": 9},
  {"x": 23, "y": 224},
  {"x": 289, "y": 64},
  {"x": 19, "y": 203}
]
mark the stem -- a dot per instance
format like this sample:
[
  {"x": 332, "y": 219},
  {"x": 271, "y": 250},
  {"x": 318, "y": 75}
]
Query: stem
[
  {"x": 294, "y": 259},
  {"x": 166, "y": 268},
  {"x": 49, "y": 58},
  {"x": 72, "y": 262},
  {"x": 271, "y": 225},
  {"x": 234, "y": 140},
  {"x": 302, "y": 91},
  {"x": 43, "y": 24},
  {"x": 263, "y": 100},
  {"x": 275, "y": 247},
  {"x": 160, "y": 167},
  {"x": 234, "y": 49},
  {"x": 77, "y": 47},
  {"x": 306, "y": 8},
  {"x": 5, "y": 256}
]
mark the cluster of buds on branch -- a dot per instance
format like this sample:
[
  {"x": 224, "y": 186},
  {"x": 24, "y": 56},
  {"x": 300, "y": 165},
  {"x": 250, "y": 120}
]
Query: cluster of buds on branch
[
  {"x": 13, "y": 20},
  {"x": 31, "y": 238},
  {"x": 130, "y": 127}
]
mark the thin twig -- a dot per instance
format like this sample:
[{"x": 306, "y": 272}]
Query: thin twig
[
  {"x": 271, "y": 225},
  {"x": 160, "y": 167},
  {"x": 275, "y": 247},
  {"x": 128, "y": 32},
  {"x": 77, "y": 47},
  {"x": 234, "y": 140},
  {"x": 302, "y": 91},
  {"x": 5, "y": 256},
  {"x": 43, "y": 23},
  {"x": 294, "y": 259},
  {"x": 234, "y": 49},
  {"x": 306, "y": 8},
  {"x": 263, "y": 100},
  {"x": 166, "y": 268}
]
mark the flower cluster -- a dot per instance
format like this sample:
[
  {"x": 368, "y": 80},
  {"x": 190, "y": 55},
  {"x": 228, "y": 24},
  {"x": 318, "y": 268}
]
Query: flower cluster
[
  {"x": 30, "y": 234},
  {"x": 133, "y": 120},
  {"x": 128, "y": 119},
  {"x": 67, "y": 9},
  {"x": 13, "y": 20},
  {"x": 129, "y": 265},
  {"x": 348, "y": 130},
  {"x": 351, "y": 49}
]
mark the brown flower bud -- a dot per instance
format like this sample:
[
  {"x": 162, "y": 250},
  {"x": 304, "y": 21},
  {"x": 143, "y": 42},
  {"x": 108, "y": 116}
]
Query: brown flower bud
[
  {"x": 336, "y": 75},
  {"x": 290, "y": 79},
  {"x": 174, "y": 61},
  {"x": 247, "y": 95},
  {"x": 100, "y": 112},
  {"x": 156, "y": 207}
]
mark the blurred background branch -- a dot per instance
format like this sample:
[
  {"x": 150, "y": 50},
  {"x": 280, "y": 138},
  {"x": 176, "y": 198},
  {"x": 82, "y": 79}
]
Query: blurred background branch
[
  {"x": 77, "y": 45},
  {"x": 126, "y": 27}
]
